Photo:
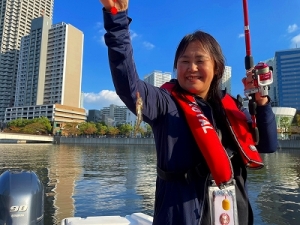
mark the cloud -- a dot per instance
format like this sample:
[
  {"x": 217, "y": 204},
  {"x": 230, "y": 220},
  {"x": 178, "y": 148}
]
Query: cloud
[
  {"x": 133, "y": 34},
  {"x": 148, "y": 45},
  {"x": 100, "y": 33},
  {"x": 241, "y": 35},
  {"x": 292, "y": 28},
  {"x": 295, "y": 41},
  {"x": 102, "y": 99}
]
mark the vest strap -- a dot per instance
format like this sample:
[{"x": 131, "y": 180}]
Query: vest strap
[{"x": 201, "y": 170}]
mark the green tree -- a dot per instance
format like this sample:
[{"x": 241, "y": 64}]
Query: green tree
[
  {"x": 113, "y": 131},
  {"x": 101, "y": 128},
  {"x": 125, "y": 129},
  {"x": 45, "y": 122},
  {"x": 298, "y": 119},
  {"x": 139, "y": 130},
  {"x": 148, "y": 132},
  {"x": 87, "y": 128},
  {"x": 284, "y": 124},
  {"x": 18, "y": 123},
  {"x": 35, "y": 128},
  {"x": 41, "y": 125}
]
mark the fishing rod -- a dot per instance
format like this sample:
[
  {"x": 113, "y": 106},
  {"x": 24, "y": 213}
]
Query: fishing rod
[{"x": 262, "y": 75}]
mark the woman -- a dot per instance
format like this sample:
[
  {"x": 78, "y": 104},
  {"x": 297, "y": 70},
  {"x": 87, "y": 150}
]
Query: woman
[{"x": 186, "y": 163}]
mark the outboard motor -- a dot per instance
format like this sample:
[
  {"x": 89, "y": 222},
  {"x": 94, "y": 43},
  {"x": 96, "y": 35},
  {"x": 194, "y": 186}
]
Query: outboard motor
[{"x": 21, "y": 198}]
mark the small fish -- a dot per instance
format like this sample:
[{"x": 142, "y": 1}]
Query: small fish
[{"x": 138, "y": 109}]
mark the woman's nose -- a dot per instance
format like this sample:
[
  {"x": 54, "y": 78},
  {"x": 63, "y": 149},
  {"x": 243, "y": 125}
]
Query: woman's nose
[{"x": 193, "y": 66}]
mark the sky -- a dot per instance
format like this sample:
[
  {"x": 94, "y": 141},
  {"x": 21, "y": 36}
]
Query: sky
[{"x": 159, "y": 25}]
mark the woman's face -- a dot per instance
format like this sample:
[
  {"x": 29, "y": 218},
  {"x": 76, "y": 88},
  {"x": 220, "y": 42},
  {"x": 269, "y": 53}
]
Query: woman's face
[{"x": 195, "y": 69}]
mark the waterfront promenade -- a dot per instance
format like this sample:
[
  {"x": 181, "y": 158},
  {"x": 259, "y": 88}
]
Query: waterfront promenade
[{"x": 26, "y": 138}]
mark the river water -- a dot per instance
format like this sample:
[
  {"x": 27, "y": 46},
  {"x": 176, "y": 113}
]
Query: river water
[{"x": 93, "y": 180}]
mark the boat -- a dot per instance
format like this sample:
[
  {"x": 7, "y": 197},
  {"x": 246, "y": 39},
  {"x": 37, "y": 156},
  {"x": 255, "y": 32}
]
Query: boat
[
  {"x": 133, "y": 219},
  {"x": 22, "y": 202}
]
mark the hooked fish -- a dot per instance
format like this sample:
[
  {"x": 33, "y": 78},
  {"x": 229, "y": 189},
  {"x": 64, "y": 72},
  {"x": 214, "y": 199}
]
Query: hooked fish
[{"x": 138, "y": 109}]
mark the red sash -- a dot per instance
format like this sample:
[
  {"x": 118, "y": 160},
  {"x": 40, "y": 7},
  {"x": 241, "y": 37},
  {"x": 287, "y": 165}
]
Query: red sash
[{"x": 208, "y": 141}]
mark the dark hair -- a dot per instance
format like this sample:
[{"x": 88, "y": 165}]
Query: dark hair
[{"x": 213, "y": 48}]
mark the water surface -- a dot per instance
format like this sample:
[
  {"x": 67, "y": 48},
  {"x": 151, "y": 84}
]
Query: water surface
[{"x": 91, "y": 180}]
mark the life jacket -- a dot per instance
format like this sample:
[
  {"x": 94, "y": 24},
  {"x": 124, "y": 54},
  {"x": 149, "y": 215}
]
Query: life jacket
[{"x": 208, "y": 140}]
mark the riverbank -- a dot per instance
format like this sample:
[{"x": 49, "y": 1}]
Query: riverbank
[
  {"x": 104, "y": 140},
  {"x": 282, "y": 144},
  {"x": 17, "y": 139}
]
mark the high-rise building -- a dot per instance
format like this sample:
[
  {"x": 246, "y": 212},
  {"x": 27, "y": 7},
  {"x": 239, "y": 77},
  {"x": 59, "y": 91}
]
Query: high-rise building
[
  {"x": 287, "y": 65},
  {"x": 157, "y": 78},
  {"x": 226, "y": 80},
  {"x": 15, "y": 22},
  {"x": 50, "y": 65},
  {"x": 30, "y": 80}
]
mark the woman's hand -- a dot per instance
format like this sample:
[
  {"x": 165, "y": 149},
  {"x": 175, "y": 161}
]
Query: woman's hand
[
  {"x": 249, "y": 84},
  {"x": 121, "y": 5}
]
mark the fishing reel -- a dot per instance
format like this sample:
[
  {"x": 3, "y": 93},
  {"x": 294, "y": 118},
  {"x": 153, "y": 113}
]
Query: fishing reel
[{"x": 262, "y": 78}]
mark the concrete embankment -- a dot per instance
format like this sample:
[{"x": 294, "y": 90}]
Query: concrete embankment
[
  {"x": 289, "y": 144},
  {"x": 25, "y": 138},
  {"x": 105, "y": 141},
  {"x": 282, "y": 144}
]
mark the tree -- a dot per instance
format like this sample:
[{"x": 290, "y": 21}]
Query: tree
[
  {"x": 18, "y": 123},
  {"x": 70, "y": 128},
  {"x": 125, "y": 129},
  {"x": 138, "y": 130},
  {"x": 35, "y": 128},
  {"x": 87, "y": 128},
  {"x": 12, "y": 129},
  {"x": 101, "y": 128},
  {"x": 40, "y": 125},
  {"x": 284, "y": 124},
  {"x": 148, "y": 132},
  {"x": 298, "y": 119},
  {"x": 113, "y": 131},
  {"x": 45, "y": 122}
]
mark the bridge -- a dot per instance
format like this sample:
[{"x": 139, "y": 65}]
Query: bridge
[{"x": 24, "y": 138}]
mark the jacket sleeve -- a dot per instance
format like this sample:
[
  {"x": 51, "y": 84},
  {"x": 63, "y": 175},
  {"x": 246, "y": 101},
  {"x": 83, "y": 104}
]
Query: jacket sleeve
[
  {"x": 266, "y": 124},
  {"x": 123, "y": 69}
]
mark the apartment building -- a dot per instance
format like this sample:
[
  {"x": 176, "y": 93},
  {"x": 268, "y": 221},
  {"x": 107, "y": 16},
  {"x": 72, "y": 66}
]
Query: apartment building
[
  {"x": 15, "y": 22},
  {"x": 158, "y": 78}
]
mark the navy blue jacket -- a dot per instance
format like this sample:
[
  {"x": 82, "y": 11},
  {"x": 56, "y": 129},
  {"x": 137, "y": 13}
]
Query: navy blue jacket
[{"x": 182, "y": 203}]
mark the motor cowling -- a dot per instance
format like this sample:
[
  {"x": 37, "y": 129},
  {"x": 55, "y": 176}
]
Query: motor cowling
[{"x": 21, "y": 198}]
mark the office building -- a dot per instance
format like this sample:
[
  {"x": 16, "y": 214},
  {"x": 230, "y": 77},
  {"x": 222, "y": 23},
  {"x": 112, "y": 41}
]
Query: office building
[
  {"x": 115, "y": 113},
  {"x": 287, "y": 68},
  {"x": 158, "y": 78},
  {"x": 226, "y": 80},
  {"x": 15, "y": 17},
  {"x": 94, "y": 115}
]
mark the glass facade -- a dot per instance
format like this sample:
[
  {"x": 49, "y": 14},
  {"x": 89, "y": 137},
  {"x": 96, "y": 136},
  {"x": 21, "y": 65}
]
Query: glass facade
[{"x": 288, "y": 78}]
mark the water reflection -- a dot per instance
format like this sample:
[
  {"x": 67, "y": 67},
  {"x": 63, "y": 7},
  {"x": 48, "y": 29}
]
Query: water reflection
[
  {"x": 92, "y": 180},
  {"x": 278, "y": 198}
]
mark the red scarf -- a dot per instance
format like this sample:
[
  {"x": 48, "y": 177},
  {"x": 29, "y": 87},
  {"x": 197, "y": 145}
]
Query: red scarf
[{"x": 208, "y": 141}]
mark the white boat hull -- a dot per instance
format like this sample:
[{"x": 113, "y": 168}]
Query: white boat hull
[{"x": 133, "y": 219}]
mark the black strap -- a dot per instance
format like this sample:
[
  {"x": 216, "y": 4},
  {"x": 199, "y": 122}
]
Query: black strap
[{"x": 201, "y": 170}]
